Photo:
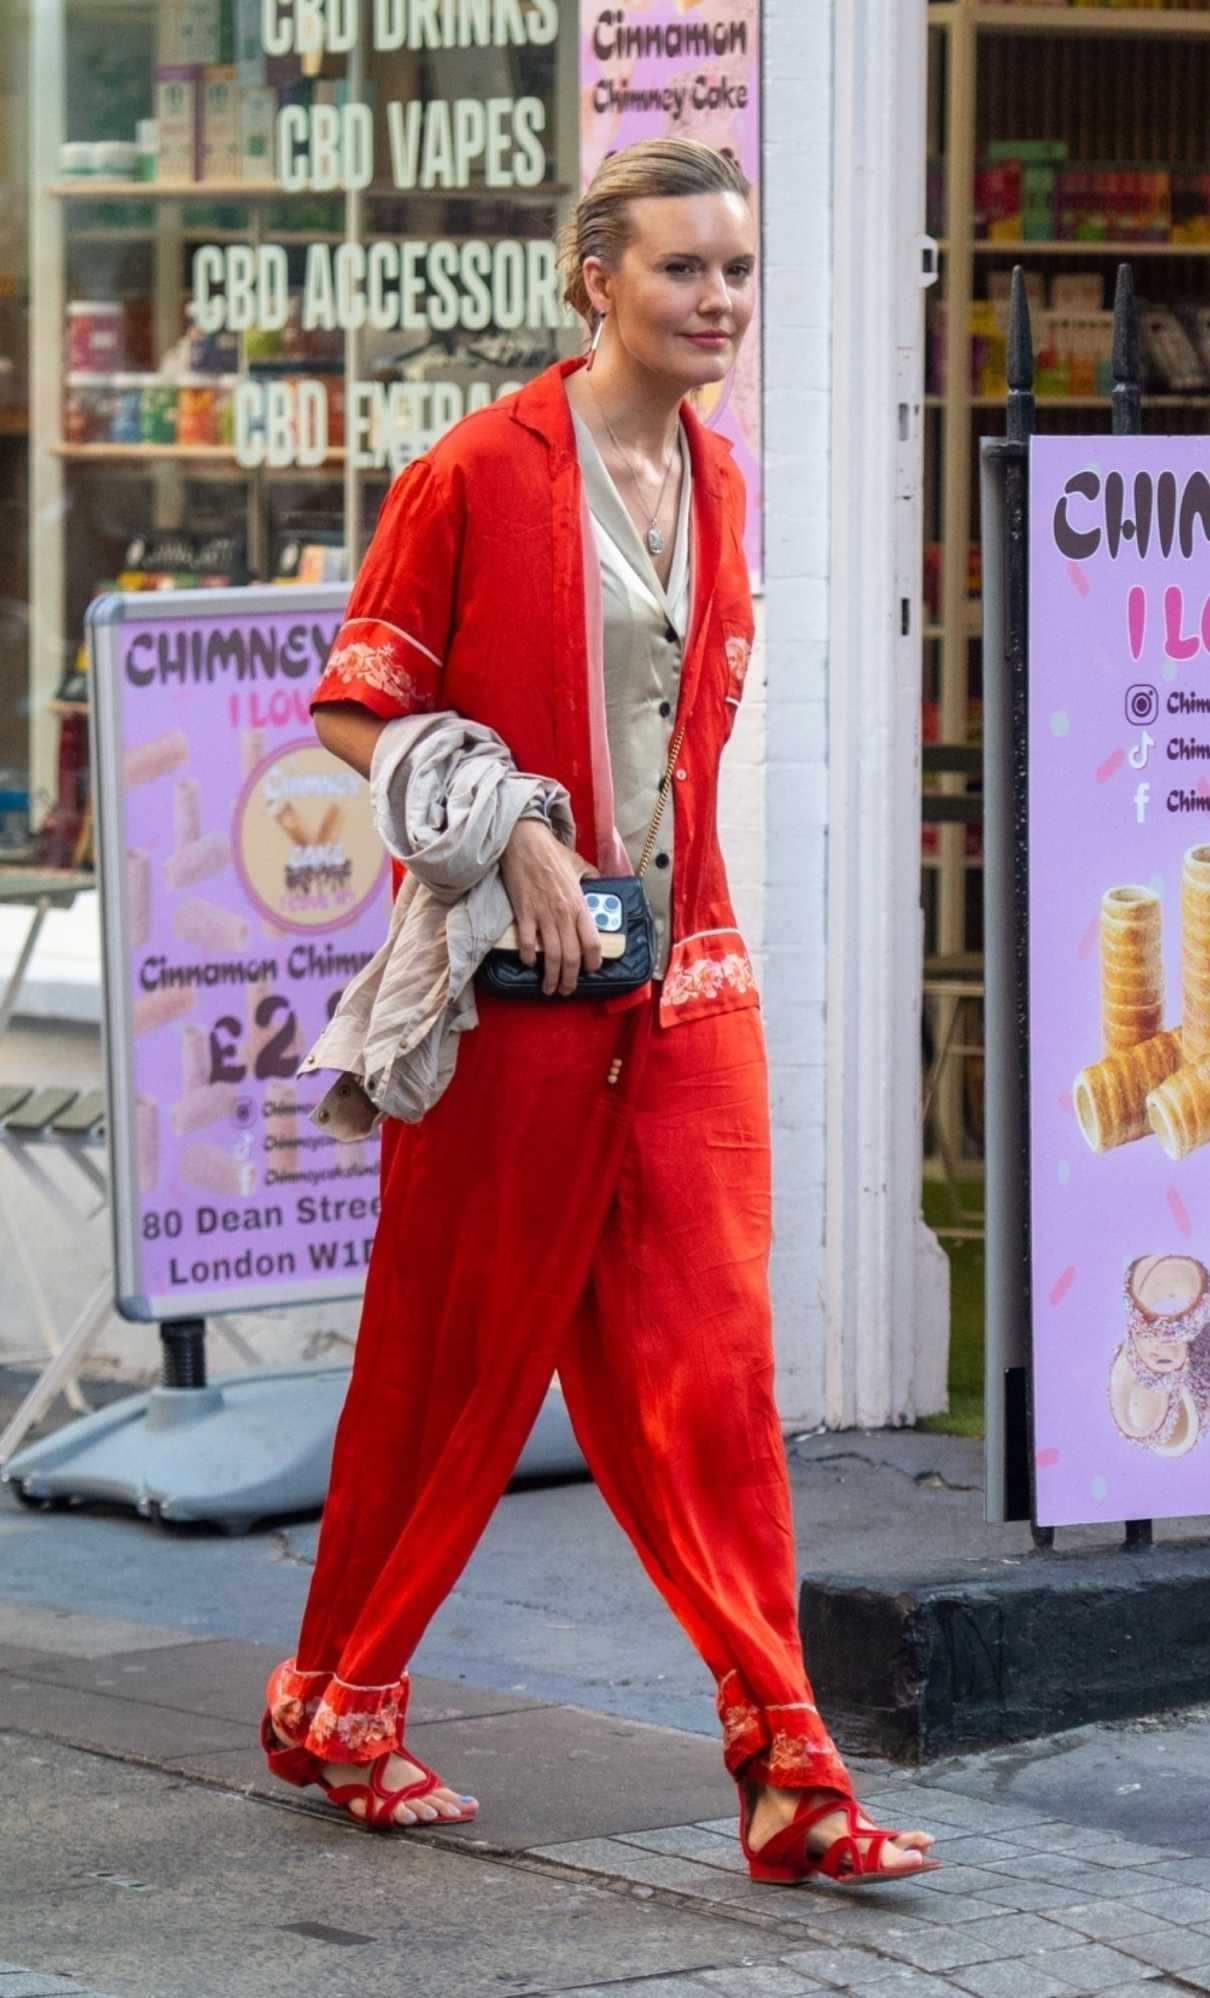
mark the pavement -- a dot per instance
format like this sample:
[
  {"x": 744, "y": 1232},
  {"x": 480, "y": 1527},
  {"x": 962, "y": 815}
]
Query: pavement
[{"x": 146, "y": 1853}]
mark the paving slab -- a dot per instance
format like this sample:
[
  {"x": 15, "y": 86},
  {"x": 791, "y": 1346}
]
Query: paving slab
[
  {"x": 1147, "y": 1780},
  {"x": 1103, "y": 1919},
  {"x": 1010, "y": 1980},
  {"x": 1171, "y": 1948},
  {"x": 230, "y": 1894},
  {"x": 69, "y": 1633},
  {"x": 543, "y": 1775},
  {"x": 1090, "y": 1966},
  {"x": 771, "y": 1980},
  {"x": 116, "y": 1727},
  {"x": 226, "y": 1678}
]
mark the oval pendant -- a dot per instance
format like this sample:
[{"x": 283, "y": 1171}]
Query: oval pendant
[{"x": 655, "y": 541}]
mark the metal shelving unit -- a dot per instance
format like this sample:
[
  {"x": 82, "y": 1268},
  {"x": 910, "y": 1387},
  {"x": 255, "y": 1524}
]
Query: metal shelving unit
[
  {"x": 1113, "y": 82},
  {"x": 162, "y": 216}
]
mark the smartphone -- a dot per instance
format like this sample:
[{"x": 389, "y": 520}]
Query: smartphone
[{"x": 605, "y": 909}]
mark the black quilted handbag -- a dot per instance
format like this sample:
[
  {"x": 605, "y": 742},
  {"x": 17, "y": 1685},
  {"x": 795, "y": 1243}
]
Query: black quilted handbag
[
  {"x": 623, "y": 916},
  {"x": 627, "y": 926}
]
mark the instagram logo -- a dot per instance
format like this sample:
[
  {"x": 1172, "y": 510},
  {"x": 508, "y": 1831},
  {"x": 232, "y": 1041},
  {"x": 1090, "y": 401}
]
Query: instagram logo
[{"x": 1142, "y": 705}]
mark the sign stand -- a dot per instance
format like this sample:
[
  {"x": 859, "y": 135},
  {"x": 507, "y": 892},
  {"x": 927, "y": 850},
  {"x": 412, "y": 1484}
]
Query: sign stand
[
  {"x": 254, "y": 1446},
  {"x": 1093, "y": 691},
  {"x": 242, "y": 885}
]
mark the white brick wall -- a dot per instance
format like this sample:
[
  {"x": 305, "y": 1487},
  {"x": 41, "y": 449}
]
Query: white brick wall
[{"x": 774, "y": 800}]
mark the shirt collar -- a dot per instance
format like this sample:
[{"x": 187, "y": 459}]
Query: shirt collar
[{"x": 542, "y": 406}]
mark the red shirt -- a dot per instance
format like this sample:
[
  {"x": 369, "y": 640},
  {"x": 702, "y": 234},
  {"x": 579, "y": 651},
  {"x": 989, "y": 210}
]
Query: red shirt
[{"x": 472, "y": 597}]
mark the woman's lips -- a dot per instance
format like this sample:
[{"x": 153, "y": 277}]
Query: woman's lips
[{"x": 709, "y": 339}]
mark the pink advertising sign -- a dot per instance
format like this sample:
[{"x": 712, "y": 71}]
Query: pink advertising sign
[
  {"x": 685, "y": 69},
  {"x": 1119, "y": 957},
  {"x": 243, "y": 884}
]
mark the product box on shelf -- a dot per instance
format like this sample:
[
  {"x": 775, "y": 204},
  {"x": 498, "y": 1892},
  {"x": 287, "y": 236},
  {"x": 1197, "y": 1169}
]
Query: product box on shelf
[
  {"x": 191, "y": 32},
  {"x": 220, "y": 124},
  {"x": 1172, "y": 358},
  {"x": 1099, "y": 204},
  {"x": 999, "y": 291},
  {"x": 249, "y": 48},
  {"x": 1078, "y": 291},
  {"x": 177, "y": 101},
  {"x": 1190, "y": 206},
  {"x": 257, "y": 126},
  {"x": 1036, "y": 163},
  {"x": 1073, "y": 353},
  {"x": 998, "y": 201}
]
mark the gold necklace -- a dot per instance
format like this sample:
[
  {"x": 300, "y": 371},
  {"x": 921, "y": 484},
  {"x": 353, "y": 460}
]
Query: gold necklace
[{"x": 653, "y": 537}]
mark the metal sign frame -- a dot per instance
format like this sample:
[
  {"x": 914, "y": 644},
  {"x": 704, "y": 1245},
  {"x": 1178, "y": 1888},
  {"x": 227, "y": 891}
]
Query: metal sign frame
[{"x": 106, "y": 619}]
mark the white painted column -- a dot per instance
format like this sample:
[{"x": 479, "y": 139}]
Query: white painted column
[
  {"x": 798, "y": 310},
  {"x": 885, "y": 1279},
  {"x": 48, "y": 646}
]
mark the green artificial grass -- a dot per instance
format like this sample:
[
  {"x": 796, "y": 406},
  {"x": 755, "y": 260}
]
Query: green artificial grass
[{"x": 967, "y": 1275}]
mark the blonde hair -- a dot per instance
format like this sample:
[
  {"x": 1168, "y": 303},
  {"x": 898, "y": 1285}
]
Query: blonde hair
[{"x": 653, "y": 168}]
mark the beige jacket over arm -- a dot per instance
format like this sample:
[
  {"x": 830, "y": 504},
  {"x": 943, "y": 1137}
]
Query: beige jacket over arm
[{"x": 446, "y": 796}]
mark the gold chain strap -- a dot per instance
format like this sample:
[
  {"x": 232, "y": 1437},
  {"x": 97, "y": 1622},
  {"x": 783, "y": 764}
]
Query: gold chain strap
[{"x": 661, "y": 801}]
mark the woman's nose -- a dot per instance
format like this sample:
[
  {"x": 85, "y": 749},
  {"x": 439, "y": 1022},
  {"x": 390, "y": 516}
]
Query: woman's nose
[{"x": 715, "y": 296}]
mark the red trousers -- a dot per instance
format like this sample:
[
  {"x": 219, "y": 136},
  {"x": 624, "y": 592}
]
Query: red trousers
[{"x": 543, "y": 1217}]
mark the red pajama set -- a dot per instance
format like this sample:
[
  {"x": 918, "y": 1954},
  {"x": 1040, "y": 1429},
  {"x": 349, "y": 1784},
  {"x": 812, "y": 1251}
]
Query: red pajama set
[{"x": 592, "y": 1192}]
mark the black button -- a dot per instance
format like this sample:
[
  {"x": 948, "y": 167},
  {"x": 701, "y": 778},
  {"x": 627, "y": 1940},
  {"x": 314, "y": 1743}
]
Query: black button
[
  {"x": 665, "y": 708},
  {"x": 662, "y": 860},
  {"x": 670, "y": 636}
]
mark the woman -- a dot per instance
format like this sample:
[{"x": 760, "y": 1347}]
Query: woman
[{"x": 592, "y": 1192}]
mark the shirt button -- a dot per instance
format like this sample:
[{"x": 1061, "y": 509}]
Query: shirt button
[
  {"x": 665, "y": 709},
  {"x": 681, "y": 776},
  {"x": 662, "y": 860}
]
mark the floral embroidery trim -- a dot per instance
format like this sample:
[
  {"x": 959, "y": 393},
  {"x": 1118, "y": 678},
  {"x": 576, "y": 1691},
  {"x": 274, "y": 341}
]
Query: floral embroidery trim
[
  {"x": 356, "y": 1732},
  {"x": 339, "y": 1716},
  {"x": 739, "y": 657},
  {"x": 376, "y": 666},
  {"x": 806, "y": 1756},
  {"x": 707, "y": 977},
  {"x": 382, "y": 624}
]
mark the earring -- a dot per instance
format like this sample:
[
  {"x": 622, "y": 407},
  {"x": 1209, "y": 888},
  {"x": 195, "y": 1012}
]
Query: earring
[{"x": 594, "y": 343}]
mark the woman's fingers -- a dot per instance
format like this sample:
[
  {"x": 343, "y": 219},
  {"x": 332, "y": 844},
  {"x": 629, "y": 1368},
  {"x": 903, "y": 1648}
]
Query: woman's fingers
[
  {"x": 552, "y": 952},
  {"x": 527, "y": 937},
  {"x": 543, "y": 883},
  {"x": 569, "y": 953},
  {"x": 590, "y": 939}
]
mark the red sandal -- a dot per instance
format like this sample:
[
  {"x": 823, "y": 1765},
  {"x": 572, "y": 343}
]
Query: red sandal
[
  {"x": 300, "y": 1767},
  {"x": 852, "y": 1860}
]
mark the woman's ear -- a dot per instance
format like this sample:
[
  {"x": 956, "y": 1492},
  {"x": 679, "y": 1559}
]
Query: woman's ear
[{"x": 598, "y": 284}]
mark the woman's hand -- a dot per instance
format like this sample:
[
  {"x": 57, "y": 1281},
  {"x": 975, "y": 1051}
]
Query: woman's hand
[{"x": 543, "y": 878}]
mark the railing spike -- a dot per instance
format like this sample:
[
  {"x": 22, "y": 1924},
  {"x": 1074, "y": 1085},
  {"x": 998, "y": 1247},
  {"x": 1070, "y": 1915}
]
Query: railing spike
[
  {"x": 1019, "y": 361},
  {"x": 1127, "y": 399}
]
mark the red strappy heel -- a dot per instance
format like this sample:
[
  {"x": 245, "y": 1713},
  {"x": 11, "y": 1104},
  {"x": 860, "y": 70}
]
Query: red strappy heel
[
  {"x": 852, "y": 1860},
  {"x": 300, "y": 1767}
]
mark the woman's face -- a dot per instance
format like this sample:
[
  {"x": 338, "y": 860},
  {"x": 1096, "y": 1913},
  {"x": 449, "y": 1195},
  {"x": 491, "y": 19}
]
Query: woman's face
[{"x": 683, "y": 295}]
